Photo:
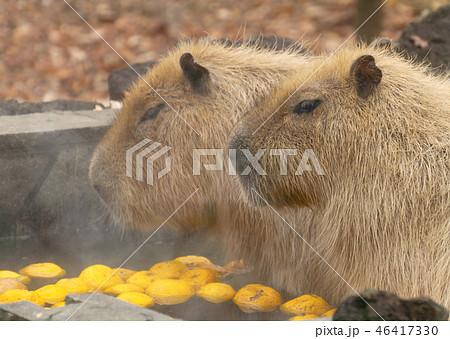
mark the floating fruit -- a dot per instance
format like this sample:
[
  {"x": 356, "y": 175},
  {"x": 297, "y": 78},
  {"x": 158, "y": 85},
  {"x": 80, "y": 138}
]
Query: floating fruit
[
  {"x": 122, "y": 288},
  {"x": 168, "y": 269},
  {"x": 216, "y": 292},
  {"x": 199, "y": 277},
  {"x": 7, "y": 284},
  {"x": 193, "y": 261},
  {"x": 303, "y": 317},
  {"x": 43, "y": 270},
  {"x": 142, "y": 279},
  {"x": 329, "y": 313},
  {"x": 124, "y": 273},
  {"x": 51, "y": 294},
  {"x": 100, "y": 276},
  {"x": 10, "y": 274},
  {"x": 170, "y": 291},
  {"x": 256, "y": 297},
  {"x": 136, "y": 298},
  {"x": 20, "y": 295},
  {"x": 74, "y": 285},
  {"x": 305, "y": 304}
]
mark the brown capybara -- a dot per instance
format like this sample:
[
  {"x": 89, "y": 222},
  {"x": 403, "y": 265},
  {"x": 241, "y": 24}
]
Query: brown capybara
[
  {"x": 211, "y": 85},
  {"x": 371, "y": 133}
]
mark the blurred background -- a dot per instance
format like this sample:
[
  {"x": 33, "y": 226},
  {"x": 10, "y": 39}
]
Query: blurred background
[{"x": 48, "y": 52}]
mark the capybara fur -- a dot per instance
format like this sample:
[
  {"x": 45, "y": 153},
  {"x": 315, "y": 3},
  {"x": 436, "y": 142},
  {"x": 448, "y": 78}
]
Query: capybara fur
[
  {"x": 211, "y": 86},
  {"x": 379, "y": 127}
]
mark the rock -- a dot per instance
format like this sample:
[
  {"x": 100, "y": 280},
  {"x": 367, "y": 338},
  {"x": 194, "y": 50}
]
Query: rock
[
  {"x": 120, "y": 80},
  {"x": 12, "y": 107},
  {"x": 98, "y": 307},
  {"x": 103, "y": 307},
  {"x": 423, "y": 309},
  {"x": 390, "y": 307},
  {"x": 427, "y": 38},
  {"x": 46, "y": 164},
  {"x": 22, "y": 310}
]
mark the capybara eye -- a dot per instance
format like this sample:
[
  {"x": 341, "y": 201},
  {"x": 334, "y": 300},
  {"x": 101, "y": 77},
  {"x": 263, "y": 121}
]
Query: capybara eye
[
  {"x": 307, "y": 106},
  {"x": 152, "y": 112}
]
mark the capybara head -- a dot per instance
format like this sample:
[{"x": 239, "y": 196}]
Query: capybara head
[
  {"x": 178, "y": 107},
  {"x": 363, "y": 120}
]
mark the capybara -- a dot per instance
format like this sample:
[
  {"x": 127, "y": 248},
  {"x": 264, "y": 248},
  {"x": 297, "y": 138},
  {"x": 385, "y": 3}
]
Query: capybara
[
  {"x": 211, "y": 85},
  {"x": 371, "y": 133}
]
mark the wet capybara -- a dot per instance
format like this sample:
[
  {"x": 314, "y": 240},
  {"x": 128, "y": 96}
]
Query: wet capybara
[
  {"x": 371, "y": 134},
  {"x": 206, "y": 87}
]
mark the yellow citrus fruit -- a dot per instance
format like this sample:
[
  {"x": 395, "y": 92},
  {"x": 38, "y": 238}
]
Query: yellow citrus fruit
[
  {"x": 51, "y": 294},
  {"x": 199, "y": 277},
  {"x": 170, "y": 291},
  {"x": 100, "y": 275},
  {"x": 15, "y": 295},
  {"x": 122, "y": 288},
  {"x": 168, "y": 269},
  {"x": 43, "y": 270},
  {"x": 216, "y": 292},
  {"x": 304, "y": 317},
  {"x": 256, "y": 297},
  {"x": 193, "y": 261},
  {"x": 124, "y": 273},
  {"x": 329, "y": 313},
  {"x": 136, "y": 298},
  {"x": 61, "y": 304},
  {"x": 142, "y": 279},
  {"x": 305, "y": 304},
  {"x": 74, "y": 285},
  {"x": 20, "y": 295},
  {"x": 10, "y": 274},
  {"x": 7, "y": 284}
]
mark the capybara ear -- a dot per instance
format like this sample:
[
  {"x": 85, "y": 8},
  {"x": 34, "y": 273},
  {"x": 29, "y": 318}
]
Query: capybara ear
[
  {"x": 197, "y": 75},
  {"x": 366, "y": 74},
  {"x": 381, "y": 43}
]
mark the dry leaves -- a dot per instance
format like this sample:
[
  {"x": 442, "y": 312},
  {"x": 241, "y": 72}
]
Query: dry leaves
[{"x": 48, "y": 52}]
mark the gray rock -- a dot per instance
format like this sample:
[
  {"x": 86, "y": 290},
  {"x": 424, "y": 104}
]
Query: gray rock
[
  {"x": 45, "y": 163},
  {"x": 96, "y": 307},
  {"x": 121, "y": 80},
  {"x": 100, "y": 306},
  {"x": 423, "y": 309},
  {"x": 12, "y": 107},
  {"x": 428, "y": 38},
  {"x": 390, "y": 307},
  {"x": 22, "y": 310}
]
